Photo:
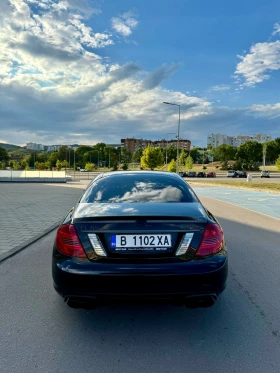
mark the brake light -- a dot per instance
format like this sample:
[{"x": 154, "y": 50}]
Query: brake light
[
  {"x": 212, "y": 241},
  {"x": 68, "y": 243}
]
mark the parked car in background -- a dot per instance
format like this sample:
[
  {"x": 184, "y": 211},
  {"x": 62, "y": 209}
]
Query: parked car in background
[
  {"x": 183, "y": 174},
  {"x": 240, "y": 174},
  {"x": 211, "y": 174},
  {"x": 265, "y": 174},
  {"x": 201, "y": 174},
  {"x": 230, "y": 173},
  {"x": 191, "y": 174}
]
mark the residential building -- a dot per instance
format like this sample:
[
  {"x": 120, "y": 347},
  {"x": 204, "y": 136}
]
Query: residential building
[
  {"x": 215, "y": 140},
  {"x": 34, "y": 146},
  {"x": 132, "y": 144}
]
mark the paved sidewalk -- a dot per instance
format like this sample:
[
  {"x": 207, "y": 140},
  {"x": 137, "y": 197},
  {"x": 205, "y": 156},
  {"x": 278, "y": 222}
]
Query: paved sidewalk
[{"x": 29, "y": 210}]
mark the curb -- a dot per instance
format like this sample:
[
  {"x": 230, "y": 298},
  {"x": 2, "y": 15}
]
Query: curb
[{"x": 27, "y": 243}]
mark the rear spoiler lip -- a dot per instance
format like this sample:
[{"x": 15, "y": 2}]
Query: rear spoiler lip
[{"x": 135, "y": 219}]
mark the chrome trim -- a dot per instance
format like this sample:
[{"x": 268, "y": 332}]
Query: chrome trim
[
  {"x": 96, "y": 244},
  {"x": 185, "y": 243}
]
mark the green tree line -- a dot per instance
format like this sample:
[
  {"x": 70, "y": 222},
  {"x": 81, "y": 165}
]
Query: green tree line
[{"x": 247, "y": 156}]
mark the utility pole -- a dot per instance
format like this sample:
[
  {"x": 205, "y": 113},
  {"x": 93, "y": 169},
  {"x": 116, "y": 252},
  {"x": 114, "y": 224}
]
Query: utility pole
[{"x": 178, "y": 135}]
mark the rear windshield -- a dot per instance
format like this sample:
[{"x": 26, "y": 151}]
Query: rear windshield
[{"x": 138, "y": 188}]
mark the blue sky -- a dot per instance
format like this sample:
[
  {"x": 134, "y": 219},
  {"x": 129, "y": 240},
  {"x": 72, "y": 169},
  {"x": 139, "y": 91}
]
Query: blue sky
[{"x": 88, "y": 71}]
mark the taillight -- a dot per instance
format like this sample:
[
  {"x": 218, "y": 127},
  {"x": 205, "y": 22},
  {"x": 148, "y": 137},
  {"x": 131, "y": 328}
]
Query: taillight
[
  {"x": 68, "y": 243},
  {"x": 212, "y": 241}
]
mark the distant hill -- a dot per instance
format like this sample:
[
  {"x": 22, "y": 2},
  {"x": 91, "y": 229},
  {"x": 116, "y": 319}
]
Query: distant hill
[{"x": 9, "y": 146}]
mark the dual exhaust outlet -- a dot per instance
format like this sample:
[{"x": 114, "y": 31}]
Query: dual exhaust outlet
[{"x": 191, "y": 301}]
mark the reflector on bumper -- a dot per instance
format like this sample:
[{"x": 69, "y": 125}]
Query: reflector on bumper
[
  {"x": 96, "y": 245},
  {"x": 185, "y": 243}
]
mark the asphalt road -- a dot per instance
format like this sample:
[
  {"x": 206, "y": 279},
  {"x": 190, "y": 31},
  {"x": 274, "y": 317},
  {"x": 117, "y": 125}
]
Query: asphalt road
[{"x": 240, "y": 333}]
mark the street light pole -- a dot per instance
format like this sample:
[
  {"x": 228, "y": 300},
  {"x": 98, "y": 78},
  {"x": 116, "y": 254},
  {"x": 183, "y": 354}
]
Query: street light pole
[
  {"x": 169, "y": 133},
  {"x": 74, "y": 162},
  {"x": 178, "y": 135}
]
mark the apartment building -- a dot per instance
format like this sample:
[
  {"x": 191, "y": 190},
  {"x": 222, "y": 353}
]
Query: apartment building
[
  {"x": 132, "y": 144},
  {"x": 215, "y": 140},
  {"x": 34, "y": 146}
]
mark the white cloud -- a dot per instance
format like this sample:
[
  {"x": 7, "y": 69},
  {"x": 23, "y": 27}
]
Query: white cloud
[
  {"x": 257, "y": 65},
  {"x": 220, "y": 88},
  {"x": 266, "y": 111},
  {"x": 125, "y": 23},
  {"x": 276, "y": 29},
  {"x": 54, "y": 88}
]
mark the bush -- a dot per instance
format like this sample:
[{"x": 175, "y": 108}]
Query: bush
[
  {"x": 125, "y": 167},
  {"x": 89, "y": 166},
  {"x": 277, "y": 164},
  {"x": 115, "y": 167},
  {"x": 204, "y": 168},
  {"x": 225, "y": 166}
]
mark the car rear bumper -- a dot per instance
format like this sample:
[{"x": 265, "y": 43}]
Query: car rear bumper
[{"x": 172, "y": 281}]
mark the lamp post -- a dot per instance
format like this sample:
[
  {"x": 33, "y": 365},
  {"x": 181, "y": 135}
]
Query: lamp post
[
  {"x": 264, "y": 155},
  {"x": 169, "y": 133},
  {"x": 178, "y": 135},
  {"x": 98, "y": 159},
  {"x": 74, "y": 161}
]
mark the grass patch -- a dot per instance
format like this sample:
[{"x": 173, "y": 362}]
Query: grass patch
[{"x": 255, "y": 185}]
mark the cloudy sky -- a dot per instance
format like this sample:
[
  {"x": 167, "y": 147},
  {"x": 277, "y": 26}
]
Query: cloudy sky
[{"x": 82, "y": 71}]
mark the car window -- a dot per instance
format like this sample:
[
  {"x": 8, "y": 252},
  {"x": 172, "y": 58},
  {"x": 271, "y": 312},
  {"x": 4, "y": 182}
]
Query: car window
[{"x": 138, "y": 188}]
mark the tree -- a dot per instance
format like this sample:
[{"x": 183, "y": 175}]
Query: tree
[
  {"x": 277, "y": 164},
  {"x": 189, "y": 163},
  {"x": 16, "y": 165},
  {"x": 41, "y": 166},
  {"x": 194, "y": 153},
  {"x": 172, "y": 166},
  {"x": 64, "y": 164},
  {"x": 42, "y": 157},
  {"x": 126, "y": 156},
  {"x": 89, "y": 166},
  {"x": 137, "y": 155},
  {"x": 251, "y": 151},
  {"x": 224, "y": 153},
  {"x": 53, "y": 158},
  {"x": 151, "y": 158},
  {"x": 171, "y": 152},
  {"x": 4, "y": 156},
  {"x": 2, "y": 166},
  {"x": 58, "y": 165},
  {"x": 62, "y": 153},
  {"x": 182, "y": 158}
]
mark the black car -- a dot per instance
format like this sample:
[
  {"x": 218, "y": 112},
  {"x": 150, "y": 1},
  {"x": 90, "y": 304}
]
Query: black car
[
  {"x": 183, "y": 174},
  {"x": 139, "y": 235},
  {"x": 201, "y": 174},
  {"x": 240, "y": 174},
  {"x": 191, "y": 174}
]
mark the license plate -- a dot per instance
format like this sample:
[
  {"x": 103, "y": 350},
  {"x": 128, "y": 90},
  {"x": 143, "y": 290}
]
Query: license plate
[{"x": 145, "y": 241}]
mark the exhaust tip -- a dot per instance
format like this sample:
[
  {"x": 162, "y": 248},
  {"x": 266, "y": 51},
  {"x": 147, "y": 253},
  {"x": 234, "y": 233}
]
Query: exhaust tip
[
  {"x": 82, "y": 303},
  {"x": 200, "y": 301}
]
